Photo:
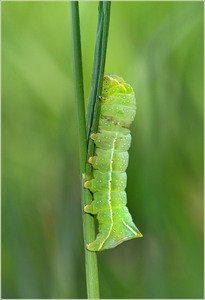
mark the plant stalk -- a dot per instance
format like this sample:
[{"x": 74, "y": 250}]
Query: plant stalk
[
  {"x": 88, "y": 220},
  {"x": 85, "y": 143}
]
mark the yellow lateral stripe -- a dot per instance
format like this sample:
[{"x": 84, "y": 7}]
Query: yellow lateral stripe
[
  {"x": 130, "y": 228},
  {"x": 109, "y": 191}
]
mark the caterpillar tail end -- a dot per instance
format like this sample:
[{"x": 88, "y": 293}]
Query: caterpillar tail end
[
  {"x": 88, "y": 247},
  {"x": 91, "y": 247}
]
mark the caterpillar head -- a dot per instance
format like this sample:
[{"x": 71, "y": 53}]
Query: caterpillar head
[
  {"x": 118, "y": 101},
  {"x": 113, "y": 84}
]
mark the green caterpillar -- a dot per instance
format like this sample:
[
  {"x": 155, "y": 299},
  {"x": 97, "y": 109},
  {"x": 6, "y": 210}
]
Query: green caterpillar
[{"x": 112, "y": 141}]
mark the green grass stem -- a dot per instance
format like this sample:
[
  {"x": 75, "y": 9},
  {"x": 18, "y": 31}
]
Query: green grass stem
[
  {"x": 93, "y": 111},
  {"x": 79, "y": 89},
  {"x": 92, "y": 120},
  {"x": 88, "y": 220},
  {"x": 98, "y": 65}
]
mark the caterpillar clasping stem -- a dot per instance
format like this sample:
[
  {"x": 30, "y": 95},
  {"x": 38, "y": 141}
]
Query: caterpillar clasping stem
[{"x": 110, "y": 161}]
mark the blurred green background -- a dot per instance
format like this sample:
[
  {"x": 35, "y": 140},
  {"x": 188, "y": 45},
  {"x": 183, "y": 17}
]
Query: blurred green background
[{"x": 158, "y": 48}]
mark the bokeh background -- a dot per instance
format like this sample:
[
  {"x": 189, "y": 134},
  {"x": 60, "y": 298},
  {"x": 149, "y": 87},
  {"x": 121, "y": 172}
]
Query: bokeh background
[{"x": 158, "y": 48}]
